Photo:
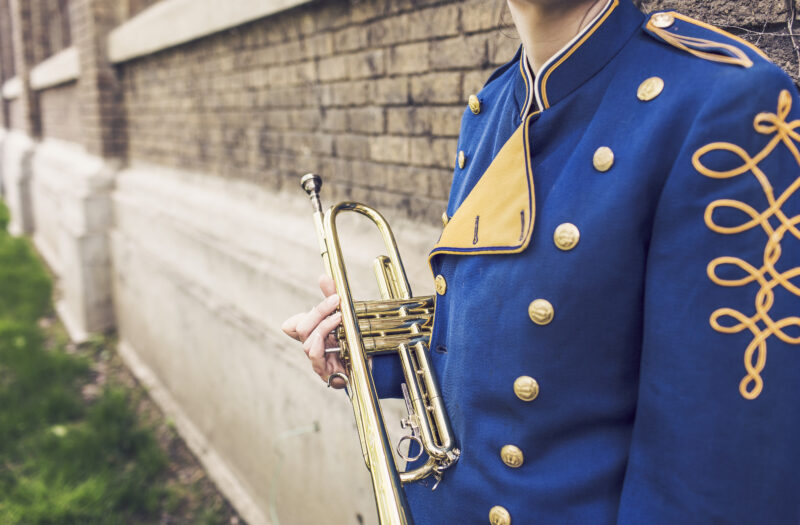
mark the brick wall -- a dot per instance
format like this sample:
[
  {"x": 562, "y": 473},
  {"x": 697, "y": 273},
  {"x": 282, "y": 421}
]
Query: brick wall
[
  {"x": 367, "y": 93},
  {"x": 51, "y": 29},
  {"x": 6, "y": 51},
  {"x": 60, "y": 112}
]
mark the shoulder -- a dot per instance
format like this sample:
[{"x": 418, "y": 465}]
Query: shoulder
[
  {"x": 712, "y": 71},
  {"x": 702, "y": 40}
]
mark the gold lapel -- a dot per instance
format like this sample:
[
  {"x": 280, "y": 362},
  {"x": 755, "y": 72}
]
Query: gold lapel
[{"x": 498, "y": 214}]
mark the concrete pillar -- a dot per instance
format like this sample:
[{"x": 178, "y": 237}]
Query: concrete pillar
[
  {"x": 82, "y": 175},
  {"x": 18, "y": 146}
]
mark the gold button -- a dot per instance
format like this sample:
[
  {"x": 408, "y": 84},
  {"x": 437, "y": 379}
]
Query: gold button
[
  {"x": 566, "y": 236},
  {"x": 512, "y": 456},
  {"x": 541, "y": 311},
  {"x": 650, "y": 89},
  {"x": 445, "y": 218},
  {"x": 526, "y": 388},
  {"x": 440, "y": 284},
  {"x": 603, "y": 158},
  {"x": 662, "y": 20},
  {"x": 462, "y": 159},
  {"x": 474, "y": 104},
  {"x": 499, "y": 516}
]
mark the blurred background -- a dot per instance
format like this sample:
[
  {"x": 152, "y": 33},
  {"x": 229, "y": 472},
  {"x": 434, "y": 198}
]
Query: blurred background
[{"x": 150, "y": 155}]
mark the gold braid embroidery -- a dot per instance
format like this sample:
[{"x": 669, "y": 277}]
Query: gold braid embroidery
[{"x": 755, "y": 356}]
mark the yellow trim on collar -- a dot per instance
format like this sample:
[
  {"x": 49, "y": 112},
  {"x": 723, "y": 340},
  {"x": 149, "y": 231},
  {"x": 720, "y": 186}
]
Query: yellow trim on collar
[
  {"x": 695, "y": 45},
  {"x": 569, "y": 53},
  {"x": 498, "y": 214}
]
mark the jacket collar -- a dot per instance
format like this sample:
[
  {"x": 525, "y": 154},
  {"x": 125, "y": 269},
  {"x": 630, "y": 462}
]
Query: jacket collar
[
  {"x": 587, "y": 53},
  {"x": 499, "y": 213}
]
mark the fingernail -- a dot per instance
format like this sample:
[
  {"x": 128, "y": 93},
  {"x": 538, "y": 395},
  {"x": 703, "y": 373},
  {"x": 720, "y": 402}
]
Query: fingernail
[{"x": 332, "y": 299}]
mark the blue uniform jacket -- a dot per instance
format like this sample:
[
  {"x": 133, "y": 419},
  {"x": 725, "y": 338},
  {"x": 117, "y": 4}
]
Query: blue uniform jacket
[{"x": 618, "y": 286}]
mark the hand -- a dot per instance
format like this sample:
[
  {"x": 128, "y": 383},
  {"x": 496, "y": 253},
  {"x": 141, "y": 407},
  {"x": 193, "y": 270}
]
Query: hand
[{"x": 314, "y": 328}]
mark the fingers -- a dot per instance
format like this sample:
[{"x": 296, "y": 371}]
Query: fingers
[
  {"x": 309, "y": 322},
  {"x": 327, "y": 285},
  {"x": 322, "y": 330},
  {"x": 289, "y": 326}
]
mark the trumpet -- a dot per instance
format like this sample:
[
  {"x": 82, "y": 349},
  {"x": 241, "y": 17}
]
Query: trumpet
[{"x": 397, "y": 323}]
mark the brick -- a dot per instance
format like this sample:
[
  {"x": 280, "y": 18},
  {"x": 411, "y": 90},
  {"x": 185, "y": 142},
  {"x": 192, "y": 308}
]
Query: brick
[
  {"x": 480, "y": 15},
  {"x": 389, "y": 91},
  {"x": 367, "y": 64},
  {"x": 436, "y": 88},
  {"x": 346, "y": 93},
  {"x": 334, "y": 120},
  {"x": 350, "y": 39},
  {"x": 367, "y": 120},
  {"x": 319, "y": 45},
  {"x": 459, "y": 52},
  {"x": 501, "y": 48},
  {"x": 433, "y": 120},
  {"x": 437, "y": 152},
  {"x": 352, "y": 146},
  {"x": 333, "y": 68},
  {"x": 420, "y": 24},
  {"x": 474, "y": 81},
  {"x": 445, "y": 121},
  {"x": 409, "y": 58},
  {"x": 390, "y": 149}
]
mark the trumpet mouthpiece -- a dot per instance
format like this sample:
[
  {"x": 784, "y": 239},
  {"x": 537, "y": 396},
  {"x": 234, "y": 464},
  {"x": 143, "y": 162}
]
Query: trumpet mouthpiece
[{"x": 312, "y": 183}]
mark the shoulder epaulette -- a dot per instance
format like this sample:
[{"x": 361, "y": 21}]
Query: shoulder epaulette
[{"x": 701, "y": 40}]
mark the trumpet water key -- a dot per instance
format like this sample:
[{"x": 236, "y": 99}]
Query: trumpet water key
[{"x": 397, "y": 323}]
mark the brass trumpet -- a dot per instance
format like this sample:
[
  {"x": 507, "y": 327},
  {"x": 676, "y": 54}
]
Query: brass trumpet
[{"x": 397, "y": 323}]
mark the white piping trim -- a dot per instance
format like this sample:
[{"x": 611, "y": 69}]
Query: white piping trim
[
  {"x": 531, "y": 83},
  {"x": 561, "y": 51}
]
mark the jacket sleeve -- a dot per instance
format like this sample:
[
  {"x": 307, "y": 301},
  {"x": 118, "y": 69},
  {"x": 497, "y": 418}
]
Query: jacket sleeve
[{"x": 717, "y": 430}]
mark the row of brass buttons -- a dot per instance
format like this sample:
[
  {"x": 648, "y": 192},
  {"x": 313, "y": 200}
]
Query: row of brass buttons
[{"x": 541, "y": 312}]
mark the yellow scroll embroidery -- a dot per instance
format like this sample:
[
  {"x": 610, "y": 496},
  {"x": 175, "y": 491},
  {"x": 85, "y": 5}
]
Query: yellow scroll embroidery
[{"x": 767, "y": 276}]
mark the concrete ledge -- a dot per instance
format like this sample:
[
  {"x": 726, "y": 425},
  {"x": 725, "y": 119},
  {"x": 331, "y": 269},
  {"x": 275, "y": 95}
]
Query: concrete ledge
[
  {"x": 216, "y": 467},
  {"x": 12, "y": 88},
  {"x": 204, "y": 271},
  {"x": 60, "y": 68},
  {"x": 172, "y": 22}
]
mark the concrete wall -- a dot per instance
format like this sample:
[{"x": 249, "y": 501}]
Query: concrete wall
[{"x": 161, "y": 185}]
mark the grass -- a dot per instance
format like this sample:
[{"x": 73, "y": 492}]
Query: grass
[{"x": 65, "y": 459}]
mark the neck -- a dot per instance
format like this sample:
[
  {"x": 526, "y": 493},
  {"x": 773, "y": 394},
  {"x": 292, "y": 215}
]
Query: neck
[{"x": 545, "y": 26}]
